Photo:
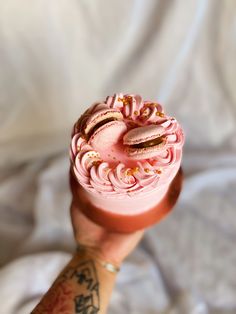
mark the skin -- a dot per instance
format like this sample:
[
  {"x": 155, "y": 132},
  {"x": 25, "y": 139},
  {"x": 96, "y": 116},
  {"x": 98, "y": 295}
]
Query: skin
[{"x": 85, "y": 285}]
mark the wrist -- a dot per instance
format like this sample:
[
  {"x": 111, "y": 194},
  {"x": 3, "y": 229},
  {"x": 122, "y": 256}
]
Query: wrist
[
  {"x": 107, "y": 252},
  {"x": 97, "y": 255}
]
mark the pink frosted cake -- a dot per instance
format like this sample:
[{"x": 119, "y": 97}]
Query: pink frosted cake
[{"x": 125, "y": 152}]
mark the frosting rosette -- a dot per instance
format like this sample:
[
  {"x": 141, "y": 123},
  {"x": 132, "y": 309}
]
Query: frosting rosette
[{"x": 125, "y": 146}]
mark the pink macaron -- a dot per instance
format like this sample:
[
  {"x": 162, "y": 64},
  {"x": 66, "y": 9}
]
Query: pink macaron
[
  {"x": 145, "y": 141},
  {"x": 105, "y": 128},
  {"x": 101, "y": 118}
]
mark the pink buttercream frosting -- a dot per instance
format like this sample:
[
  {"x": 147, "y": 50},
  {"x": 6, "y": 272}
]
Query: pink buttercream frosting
[{"x": 106, "y": 170}]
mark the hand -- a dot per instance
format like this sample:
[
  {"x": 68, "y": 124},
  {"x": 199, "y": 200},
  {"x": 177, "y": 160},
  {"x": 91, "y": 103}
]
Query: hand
[{"x": 109, "y": 246}]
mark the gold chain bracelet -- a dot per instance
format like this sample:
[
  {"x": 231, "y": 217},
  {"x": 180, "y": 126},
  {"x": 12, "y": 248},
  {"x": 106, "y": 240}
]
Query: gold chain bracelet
[{"x": 107, "y": 265}]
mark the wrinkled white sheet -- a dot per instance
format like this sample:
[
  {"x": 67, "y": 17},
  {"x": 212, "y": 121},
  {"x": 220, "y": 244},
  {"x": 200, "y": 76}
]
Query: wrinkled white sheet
[{"x": 56, "y": 57}]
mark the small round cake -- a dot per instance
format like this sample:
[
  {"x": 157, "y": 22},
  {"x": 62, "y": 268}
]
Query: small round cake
[{"x": 125, "y": 153}]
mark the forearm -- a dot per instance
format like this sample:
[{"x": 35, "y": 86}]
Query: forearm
[{"x": 84, "y": 286}]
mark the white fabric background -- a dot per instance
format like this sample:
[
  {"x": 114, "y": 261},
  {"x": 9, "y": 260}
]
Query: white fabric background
[{"x": 56, "y": 58}]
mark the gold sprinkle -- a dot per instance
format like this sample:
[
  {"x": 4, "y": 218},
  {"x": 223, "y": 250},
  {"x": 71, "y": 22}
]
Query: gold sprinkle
[
  {"x": 132, "y": 171},
  {"x": 135, "y": 170},
  {"x": 120, "y": 99},
  {"x": 127, "y": 100},
  {"x": 128, "y": 172},
  {"x": 146, "y": 170},
  {"x": 136, "y": 112},
  {"x": 158, "y": 171},
  {"x": 159, "y": 114}
]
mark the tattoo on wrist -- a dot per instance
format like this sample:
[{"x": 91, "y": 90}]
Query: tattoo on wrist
[
  {"x": 85, "y": 275},
  {"x": 87, "y": 301}
]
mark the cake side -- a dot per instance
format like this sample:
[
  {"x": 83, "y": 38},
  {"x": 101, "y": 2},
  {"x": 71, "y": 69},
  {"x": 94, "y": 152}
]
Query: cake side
[{"x": 132, "y": 204}]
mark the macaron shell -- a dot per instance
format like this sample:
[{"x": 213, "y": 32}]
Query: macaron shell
[
  {"x": 144, "y": 153},
  {"x": 142, "y": 134},
  {"x": 108, "y": 134},
  {"x": 101, "y": 115}
]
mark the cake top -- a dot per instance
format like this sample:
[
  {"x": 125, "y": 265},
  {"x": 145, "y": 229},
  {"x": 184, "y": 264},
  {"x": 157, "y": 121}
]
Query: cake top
[{"x": 125, "y": 145}]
